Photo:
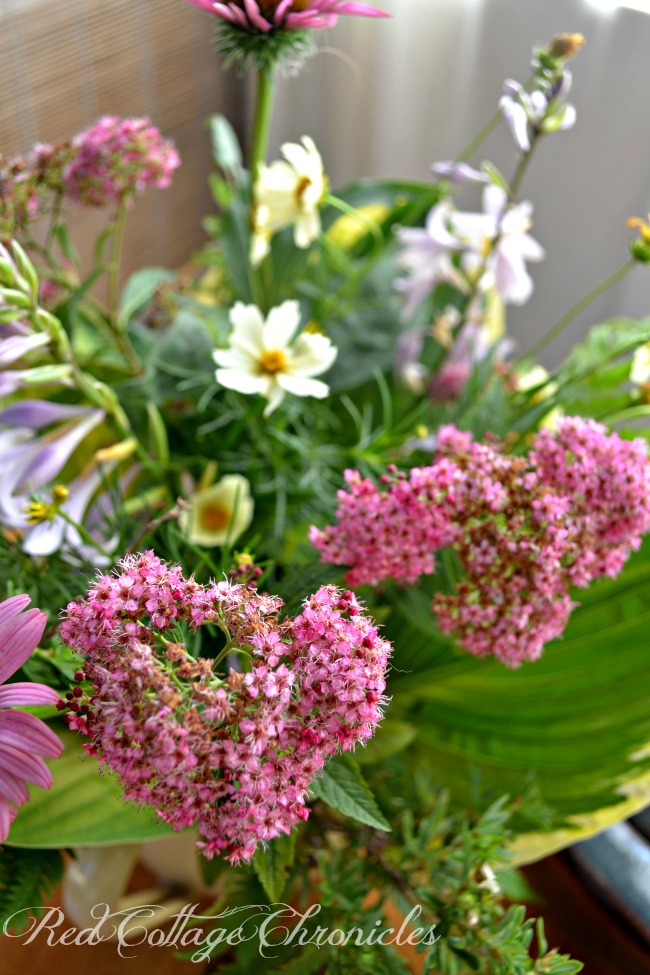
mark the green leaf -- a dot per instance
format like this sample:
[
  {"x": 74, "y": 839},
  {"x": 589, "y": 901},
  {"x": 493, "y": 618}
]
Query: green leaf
[
  {"x": 273, "y": 864},
  {"x": 225, "y": 147},
  {"x": 343, "y": 787},
  {"x": 84, "y": 807},
  {"x": 604, "y": 343},
  {"x": 68, "y": 249},
  {"x": 578, "y": 718},
  {"x": 395, "y": 737},
  {"x": 140, "y": 289}
]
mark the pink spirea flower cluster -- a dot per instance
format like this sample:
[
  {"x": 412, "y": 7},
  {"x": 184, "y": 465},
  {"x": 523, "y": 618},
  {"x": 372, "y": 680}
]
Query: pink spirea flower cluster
[
  {"x": 524, "y": 530},
  {"x": 116, "y": 159},
  {"x": 234, "y": 756},
  {"x": 270, "y": 15}
]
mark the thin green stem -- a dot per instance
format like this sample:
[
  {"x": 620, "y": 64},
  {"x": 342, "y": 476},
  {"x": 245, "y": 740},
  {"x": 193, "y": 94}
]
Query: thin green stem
[
  {"x": 85, "y": 535},
  {"x": 580, "y": 306},
  {"x": 480, "y": 137},
  {"x": 262, "y": 118},
  {"x": 350, "y": 211},
  {"x": 114, "y": 266},
  {"x": 520, "y": 171}
]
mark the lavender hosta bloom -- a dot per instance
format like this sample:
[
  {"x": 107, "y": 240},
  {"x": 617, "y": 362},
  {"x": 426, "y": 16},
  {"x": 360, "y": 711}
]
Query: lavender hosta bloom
[
  {"x": 271, "y": 15},
  {"x": 14, "y": 347},
  {"x": 491, "y": 249},
  {"x": 24, "y": 739},
  {"x": 459, "y": 173},
  {"x": 496, "y": 245},
  {"x": 54, "y": 534},
  {"x": 537, "y": 111},
  {"x": 426, "y": 257},
  {"x": 30, "y": 462}
]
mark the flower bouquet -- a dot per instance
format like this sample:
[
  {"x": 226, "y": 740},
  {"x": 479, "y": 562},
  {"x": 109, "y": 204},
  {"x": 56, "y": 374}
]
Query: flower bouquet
[{"x": 322, "y": 574}]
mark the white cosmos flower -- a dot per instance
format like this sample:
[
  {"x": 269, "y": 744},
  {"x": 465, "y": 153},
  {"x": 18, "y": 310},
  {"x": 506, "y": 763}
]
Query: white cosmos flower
[
  {"x": 287, "y": 192},
  {"x": 219, "y": 513},
  {"x": 640, "y": 371},
  {"x": 262, "y": 358}
]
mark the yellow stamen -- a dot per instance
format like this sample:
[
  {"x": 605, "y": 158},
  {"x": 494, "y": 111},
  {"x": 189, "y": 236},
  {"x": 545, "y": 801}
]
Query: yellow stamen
[
  {"x": 272, "y": 361},
  {"x": 59, "y": 493},
  {"x": 303, "y": 184},
  {"x": 38, "y": 512},
  {"x": 636, "y": 223}
]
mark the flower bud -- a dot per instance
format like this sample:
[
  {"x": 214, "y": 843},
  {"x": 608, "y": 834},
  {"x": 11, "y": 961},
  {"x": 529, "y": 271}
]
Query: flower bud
[{"x": 565, "y": 45}]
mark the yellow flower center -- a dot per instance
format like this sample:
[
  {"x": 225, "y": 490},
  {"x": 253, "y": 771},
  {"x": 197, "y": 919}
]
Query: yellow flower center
[
  {"x": 214, "y": 517},
  {"x": 303, "y": 184},
  {"x": 272, "y": 361}
]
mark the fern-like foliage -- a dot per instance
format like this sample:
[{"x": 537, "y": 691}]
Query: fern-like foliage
[{"x": 27, "y": 879}]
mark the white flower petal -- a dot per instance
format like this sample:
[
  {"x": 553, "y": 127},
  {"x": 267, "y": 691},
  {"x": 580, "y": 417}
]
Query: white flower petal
[
  {"x": 300, "y": 386},
  {"x": 248, "y": 323},
  {"x": 235, "y": 359},
  {"x": 307, "y": 228},
  {"x": 275, "y": 395},
  {"x": 282, "y": 323},
  {"x": 243, "y": 382},
  {"x": 311, "y": 355}
]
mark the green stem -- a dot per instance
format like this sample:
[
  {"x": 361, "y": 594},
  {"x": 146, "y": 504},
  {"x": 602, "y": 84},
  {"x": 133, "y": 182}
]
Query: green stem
[
  {"x": 350, "y": 211},
  {"x": 114, "y": 265},
  {"x": 580, "y": 306},
  {"x": 487, "y": 130},
  {"x": 86, "y": 536},
  {"x": 480, "y": 137},
  {"x": 520, "y": 171},
  {"x": 262, "y": 119}
]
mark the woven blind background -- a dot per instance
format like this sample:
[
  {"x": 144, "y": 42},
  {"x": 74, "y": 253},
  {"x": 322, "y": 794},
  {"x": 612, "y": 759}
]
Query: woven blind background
[{"x": 63, "y": 63}]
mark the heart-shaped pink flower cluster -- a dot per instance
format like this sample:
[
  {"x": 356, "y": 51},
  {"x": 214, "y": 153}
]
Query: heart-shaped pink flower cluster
[{"x": 232, "y": 755}]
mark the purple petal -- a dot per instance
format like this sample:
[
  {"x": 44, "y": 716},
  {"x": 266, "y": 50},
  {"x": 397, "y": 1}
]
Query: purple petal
[
  {"x": 55, "y": 453},
  {"x": 5, "y": 815},
  {"x": 37, "y": 413},
  {"x": 13, "y": 788},
  {"x": 22, "y": 730},
  {"x": 26, "y": 693},
  {"x": 23, "y": 765},
  {"x": 515, "y": 115},
  {"x": 18, "y": 639},
  {"x": 10, "y": 608},
  {"x": 255, "y": 17},
  {"x": 19, "y": 345},
  {"x": 459, "y": 172}
]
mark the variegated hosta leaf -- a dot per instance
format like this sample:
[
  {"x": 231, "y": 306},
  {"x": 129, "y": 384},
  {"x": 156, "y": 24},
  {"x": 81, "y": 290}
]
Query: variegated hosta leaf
[
  {"x": 83, "y": 808},
  {"x": 579, "y": 718}
]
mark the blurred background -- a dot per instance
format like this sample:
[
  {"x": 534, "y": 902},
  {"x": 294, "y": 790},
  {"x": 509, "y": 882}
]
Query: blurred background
[
  {"x": 388, "y": 98},
  {"x": 381, "y": 98}
]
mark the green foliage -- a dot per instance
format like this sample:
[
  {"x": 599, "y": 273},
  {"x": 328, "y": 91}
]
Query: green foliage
[
  {"x": 27, "y": 879},
  {"x": 572, "y": 716},
  {"x": 343, "y": 788},
  {"x": 139, "y": 291},
  {"x": 273, "y": 865}
]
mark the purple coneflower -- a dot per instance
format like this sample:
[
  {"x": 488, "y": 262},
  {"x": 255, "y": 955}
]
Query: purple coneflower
[
  {"x": 24, "y": 739},
  {"x": 270, "y": 15}
]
